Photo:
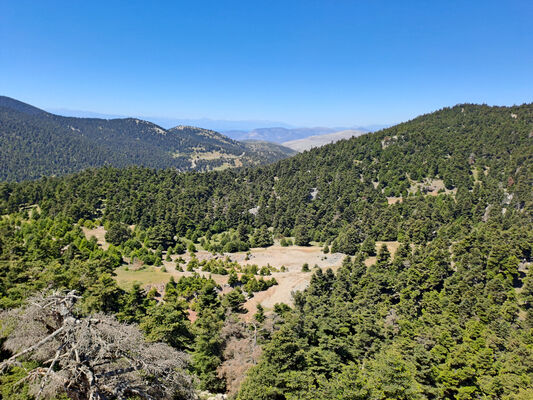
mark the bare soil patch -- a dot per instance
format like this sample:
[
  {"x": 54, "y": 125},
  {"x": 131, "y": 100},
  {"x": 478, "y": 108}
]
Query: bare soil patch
[
  {"x": 392, "y": 247},
  {"x": 292, "y": 257},
  {"x": 394, "y": 200},
  {"x": 99, "y": 233},
  {"x": 431, "y": 187},
  {"x": 288, "y": 282}
]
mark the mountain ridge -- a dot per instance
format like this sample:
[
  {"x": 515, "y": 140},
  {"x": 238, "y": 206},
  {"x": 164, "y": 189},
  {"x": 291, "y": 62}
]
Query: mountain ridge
[{"x": 35, "y": 143}]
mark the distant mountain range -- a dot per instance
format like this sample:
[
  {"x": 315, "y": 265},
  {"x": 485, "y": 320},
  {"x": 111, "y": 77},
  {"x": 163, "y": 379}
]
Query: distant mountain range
[
  {"x": 35, "y": 143},
  {"x": 283, "y": 135},
  {"x": 321, "y": 140},
  {"x": 270, "y": 131},
  {"x": 278, "y": 134},
  {"x": 219, "y": 125}
]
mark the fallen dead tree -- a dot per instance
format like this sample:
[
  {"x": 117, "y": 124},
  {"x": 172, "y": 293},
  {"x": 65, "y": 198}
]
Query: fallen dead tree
[{"x": 93, "y": 357}]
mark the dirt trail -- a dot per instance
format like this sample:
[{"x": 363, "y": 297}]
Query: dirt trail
[{"x": 288, "y": 283}]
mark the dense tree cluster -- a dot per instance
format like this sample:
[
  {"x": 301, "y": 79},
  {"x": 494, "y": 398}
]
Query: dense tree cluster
[
  {"x": 38, "y": 253},
  {"x": 445, "y": 320}
]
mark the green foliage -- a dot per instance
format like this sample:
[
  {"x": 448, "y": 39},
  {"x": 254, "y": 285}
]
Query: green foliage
[
  {"x": 103, "y": 295},
  {"x": 431, "y": 147},
  {"x": 406, "y": 328},
  {"x": 301, "y": 236},
  {"x": 252, "y": 284},
  {"x": 259, "y": 316},
  {"x": 12, "y": 385},
  {"x": 207, "y": 350},
  {"x": 281, "y": 308},
  {"x": 262, "y": 237},
  {"x": 168, "y": 323},
  {"x": 117, "y": 233},
  {"x": 35, "y": 254},
  {"x": 369, "y": 246},
  {"x": 284, "y": 242},
  {"x": 179, "y": 248},
  {"x": 234, "y": 301},
  {"x": 191, "y": 248},
  {"x": 233, "y": 279},
  {"x": 133, "y": 305},
  {"x": 348, "y": 241},
  {"x": 160, "y": 236}
]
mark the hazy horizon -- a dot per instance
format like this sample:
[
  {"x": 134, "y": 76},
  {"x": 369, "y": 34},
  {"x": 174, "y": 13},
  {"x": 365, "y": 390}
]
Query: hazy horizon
[
  {"x": 303, "y": 63},
  {"x": 227, "y": 125}
]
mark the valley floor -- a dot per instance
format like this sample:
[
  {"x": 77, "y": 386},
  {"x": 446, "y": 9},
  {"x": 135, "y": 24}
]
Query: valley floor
[
  {"x": 277, "y": 256},
  {"x": 293, "y": 279}
]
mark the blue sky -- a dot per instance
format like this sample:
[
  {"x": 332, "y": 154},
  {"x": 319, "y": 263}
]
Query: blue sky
[{"x": 329, "y": 63}]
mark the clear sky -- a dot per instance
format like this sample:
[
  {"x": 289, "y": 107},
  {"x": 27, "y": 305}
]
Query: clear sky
[{"x": 330, "y": 62}]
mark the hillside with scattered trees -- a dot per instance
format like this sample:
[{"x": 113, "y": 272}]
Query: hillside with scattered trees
[{"x": 448, "y": 316}]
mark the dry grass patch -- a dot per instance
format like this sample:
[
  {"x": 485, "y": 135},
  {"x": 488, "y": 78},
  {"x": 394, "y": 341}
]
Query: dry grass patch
[
  {"x": 394, "y": 200},
  {"x": 126, "y": 277},
  {"x": 431, "y": 187},
  {"x": 99, "y": 233},
  {"x": 392, "y": 247},
  {"x": 292, "y": 257}
]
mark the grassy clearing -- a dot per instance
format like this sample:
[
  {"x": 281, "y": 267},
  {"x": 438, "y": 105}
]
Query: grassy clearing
[
  {"x": 146, "y": 276},
  {"x": 291, "y": 257},
  {"x": 432, "y": 187}
]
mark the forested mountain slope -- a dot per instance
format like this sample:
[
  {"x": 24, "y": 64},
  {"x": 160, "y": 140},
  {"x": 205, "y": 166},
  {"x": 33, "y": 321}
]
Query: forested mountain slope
[
  {"x": 34, "y": 143},
  {"x": 475, "y": 155},
  {"x": 449, "y": 316}
]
